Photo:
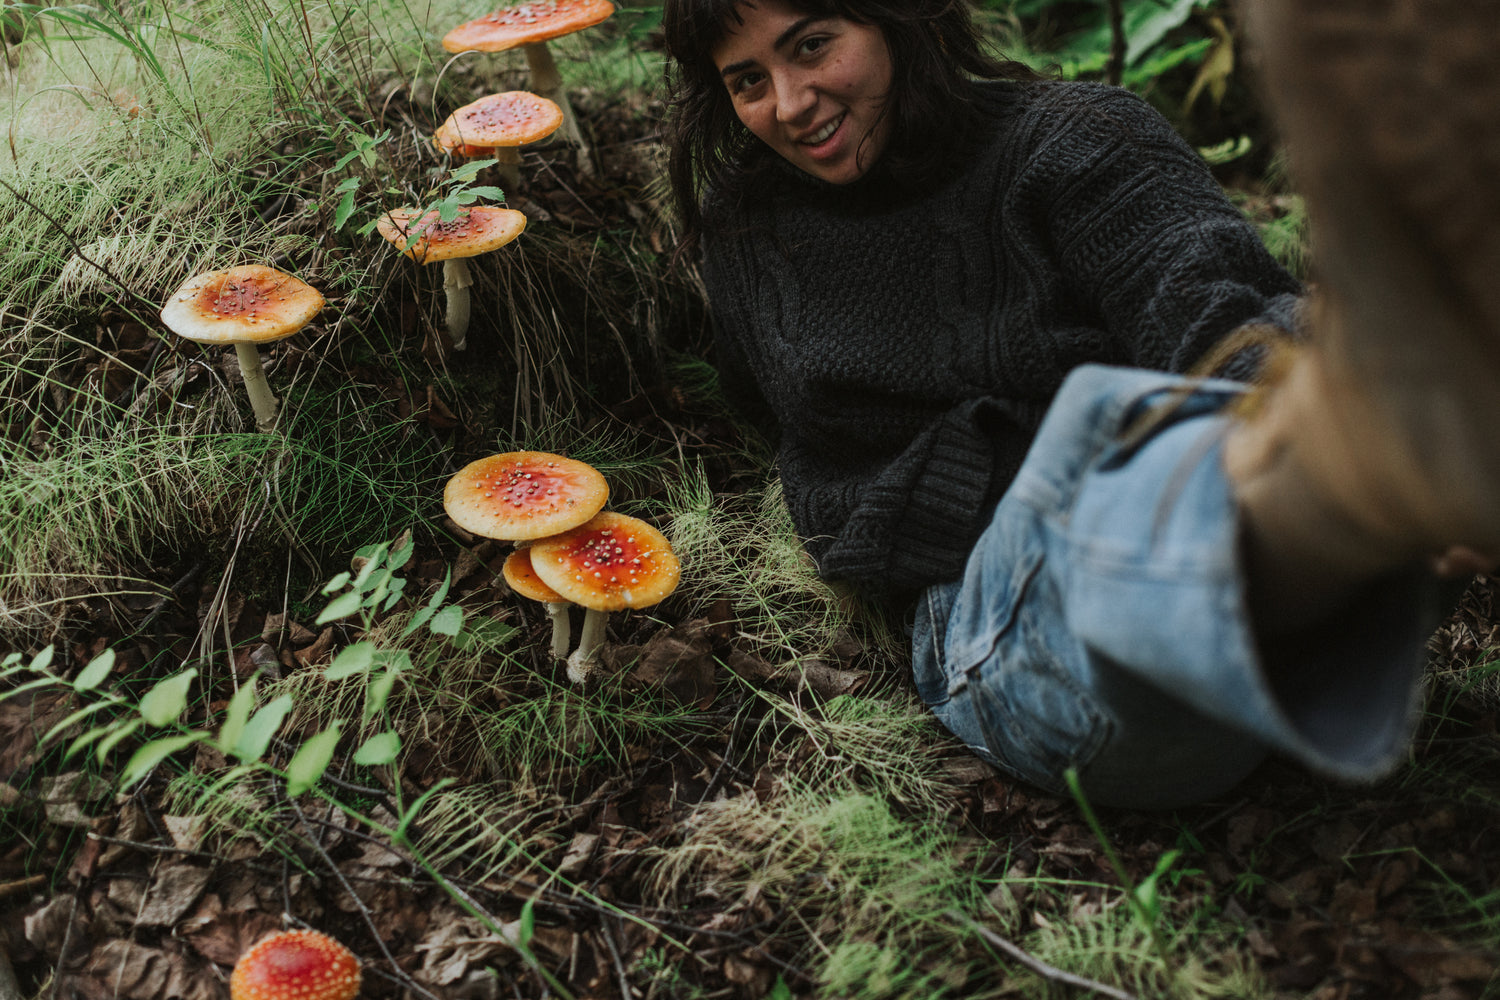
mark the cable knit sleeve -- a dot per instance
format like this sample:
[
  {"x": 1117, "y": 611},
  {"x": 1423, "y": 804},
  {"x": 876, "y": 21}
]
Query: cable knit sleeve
[{"x": 1143, "y": 232}]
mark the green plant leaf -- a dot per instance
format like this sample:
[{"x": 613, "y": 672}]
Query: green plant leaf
[
  {"x": 339, "y": 582},
  {"x": 397, "y": 586},
  {"x": 410, "y": 813},
  {"x": 84, "y": 739},
  {"x": 78, "y": 716},
  {"x": 377, "y": 693},
  {"x": 311, "y": 760},
  {"x": 470, "y": 170},
  {"x": 42, "y": 660},
  {"x": 526, "y": 926},
  {"x": 379, "y": 749},
  {"x": 341, "y": 606},
  {"x": 261, "y": 728},
  {"x": 164, "y": 703},
  {"x": 433, "y": 603},
  {"x": 355, "y": 658},
  {"x": 402, "y": 555},
  {"x": 449, "y": 621},
  {"x": 345, "y": 207},
  {"x": 148, "y": 756},
  {"x": 114, "y": 736},
  {"x": 236, "y": 716},
  {"x": 96, "y": 672}
]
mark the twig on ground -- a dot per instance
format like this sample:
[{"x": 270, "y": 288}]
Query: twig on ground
[
  {"x": 1051, "y": 973},
  {"x": 62, "y": 952},
  {"x": 614, "y": 954},
  {"x": 22, "y": 885},
  {"x": 364, "y": 911}
]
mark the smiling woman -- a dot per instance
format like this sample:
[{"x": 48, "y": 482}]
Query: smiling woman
[
  {"x": 812, "y": 88},
  {"x": 963, "y": 301}
]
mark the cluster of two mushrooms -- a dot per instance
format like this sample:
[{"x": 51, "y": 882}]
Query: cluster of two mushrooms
[
  {"x": 572, "y": 551},
  {"x": 530, "y": 26}
]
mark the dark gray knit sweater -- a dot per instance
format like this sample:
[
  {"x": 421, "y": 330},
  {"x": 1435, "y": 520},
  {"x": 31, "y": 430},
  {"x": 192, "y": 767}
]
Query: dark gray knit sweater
[{"x": 907, "y": 342}]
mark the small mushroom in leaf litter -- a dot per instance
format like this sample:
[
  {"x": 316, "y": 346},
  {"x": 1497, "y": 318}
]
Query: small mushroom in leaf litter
[
  {"x": 612, "y": 562},
  {"x": 296, "y": 965}
]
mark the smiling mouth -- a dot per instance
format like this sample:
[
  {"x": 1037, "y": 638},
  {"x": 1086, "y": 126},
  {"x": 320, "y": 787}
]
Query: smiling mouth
[{"x": 823, "y": 134}]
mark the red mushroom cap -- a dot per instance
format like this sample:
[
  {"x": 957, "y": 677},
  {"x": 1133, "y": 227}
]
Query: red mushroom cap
[
  {"x": 524, "y": 494},
  {"x": 296, "y": 965},
  {"x": 478, "y": 229},
  {"x": 251, "y": 303},
  {"x": 522, "y": 578},
  {"x": 525, "y": 24},
  {"x": 612, "y": 562},
  {"x": 513, "y": 118}
]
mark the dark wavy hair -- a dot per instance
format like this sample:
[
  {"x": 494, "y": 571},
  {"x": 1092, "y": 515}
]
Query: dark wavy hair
[{"x": 936, "y": 52}]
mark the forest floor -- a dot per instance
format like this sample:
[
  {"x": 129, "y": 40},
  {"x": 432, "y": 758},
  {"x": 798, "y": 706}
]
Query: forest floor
[{"x": 735, "y": 809}]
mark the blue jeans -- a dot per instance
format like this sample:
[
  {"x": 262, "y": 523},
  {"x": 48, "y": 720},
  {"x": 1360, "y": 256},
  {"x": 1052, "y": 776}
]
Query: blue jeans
[{"x": 1101, "y": 622}]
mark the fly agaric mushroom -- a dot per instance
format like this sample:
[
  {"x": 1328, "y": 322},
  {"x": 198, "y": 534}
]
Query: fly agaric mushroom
[
  {"x": 296, "y": 965},
  {"x": 498, "y": 125},
  {"x": 521, "y": 495},
  {"x": 612, "y": 562},
  {"x": 531, "y": 25},
  {"x": 478, "y": 229},
  {"x": 244, "y": 306},
  {"x": 523, "y": 580}
]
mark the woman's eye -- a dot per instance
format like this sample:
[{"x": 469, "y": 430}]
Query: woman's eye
[
  {"x": 744, "y": 82},
  {"x": 810, "y": 45}
]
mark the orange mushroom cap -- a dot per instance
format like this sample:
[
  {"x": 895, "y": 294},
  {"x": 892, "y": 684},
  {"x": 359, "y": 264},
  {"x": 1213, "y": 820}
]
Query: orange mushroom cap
[
  {"x": 478, "y": 229},
  {"x": 521, "y": 576},
  {"x": 613, "y": 562},
  {"x": 296, "y": 965},
  {"x": 248, "y": 304},
  {"x": 512, "y": 118},
  {"x": 526, "y": 23},
  {"x": 520, "y": 495}
]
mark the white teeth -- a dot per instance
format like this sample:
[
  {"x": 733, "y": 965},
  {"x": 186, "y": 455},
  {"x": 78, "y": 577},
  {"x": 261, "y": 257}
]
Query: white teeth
[{"x": 822, "y": 134}]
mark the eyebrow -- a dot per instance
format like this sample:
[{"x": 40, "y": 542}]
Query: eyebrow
[{"x": 782, "y": 40}]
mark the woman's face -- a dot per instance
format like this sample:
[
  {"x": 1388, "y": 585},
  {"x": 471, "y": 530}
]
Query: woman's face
[{"x": 812, "y": 88}]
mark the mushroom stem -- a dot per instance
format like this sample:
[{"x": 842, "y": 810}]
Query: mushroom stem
[
  {"x": 456, "y": 282},
  {"x": 562, "y": 629},
  {"x": 508, "y": 167},
  {"x": 547, "y": 81},
  {"x": 259, "y": 389},
  {"x": 584, "y": 658}
]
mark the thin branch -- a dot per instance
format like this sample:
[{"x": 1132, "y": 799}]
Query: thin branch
[
  {"x": 614, "y": 954},
  {"x": 364, "y": 910},
  {"x": 1051, "y": 973},
  {"x": 1115, "y": 70}
]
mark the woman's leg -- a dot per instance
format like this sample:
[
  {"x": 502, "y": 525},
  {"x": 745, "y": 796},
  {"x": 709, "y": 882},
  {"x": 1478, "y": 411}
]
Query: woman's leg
[
  {"x": 1379, "y": 449},
  {"x": 1102, "y": 622}
]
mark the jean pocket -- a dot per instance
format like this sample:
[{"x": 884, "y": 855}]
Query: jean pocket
[{"x": 1035, "y": 715}]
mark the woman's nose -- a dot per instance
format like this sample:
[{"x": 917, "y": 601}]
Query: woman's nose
[{"x": 795, "y": 97}]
